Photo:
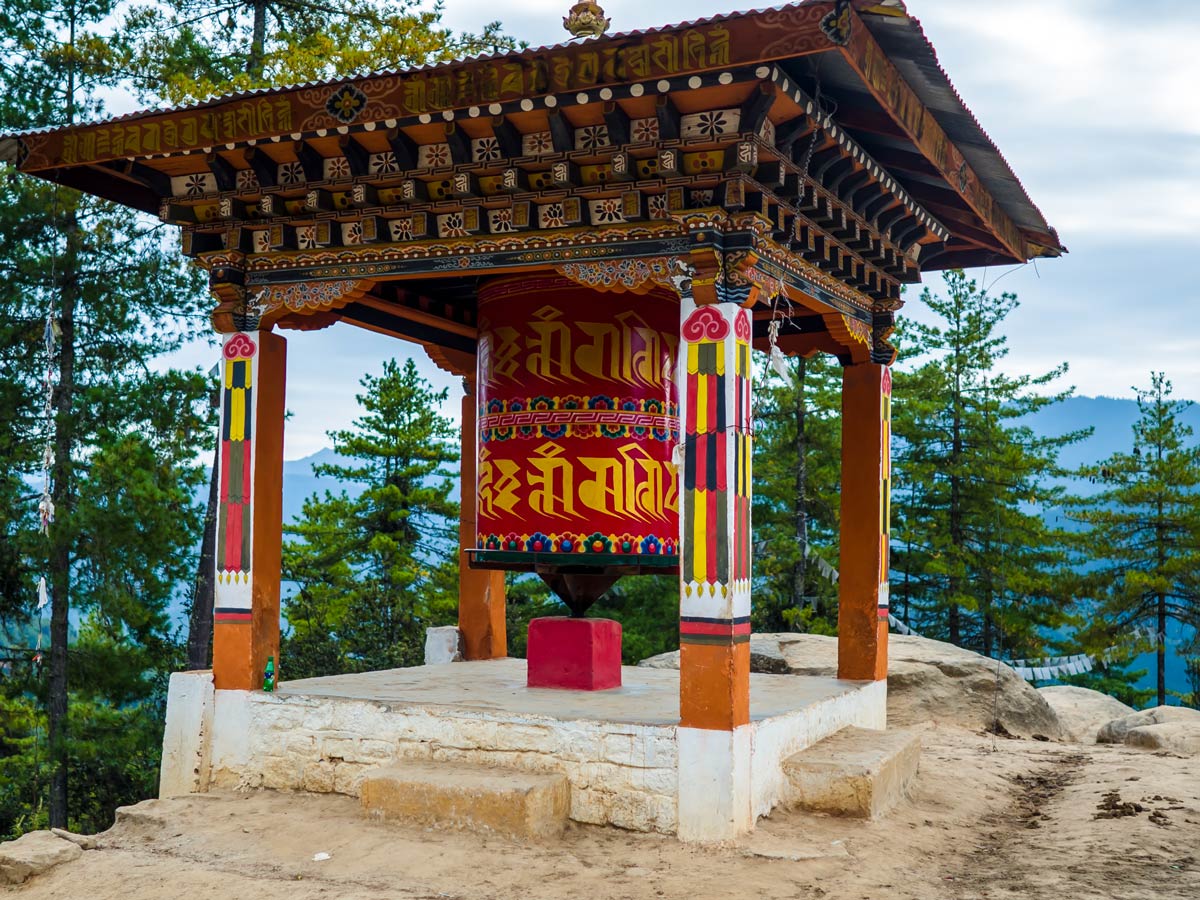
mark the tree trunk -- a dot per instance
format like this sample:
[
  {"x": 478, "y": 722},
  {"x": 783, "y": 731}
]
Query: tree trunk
[
  {"x": 200, "y": 624},
  {"x": 60, "y": 536},
  {"x": 258, "y": 40},
  {"x": 1160, "y": 649},
  {"x": 800, "y": 507},
  {"x": 956, "y": 525}
]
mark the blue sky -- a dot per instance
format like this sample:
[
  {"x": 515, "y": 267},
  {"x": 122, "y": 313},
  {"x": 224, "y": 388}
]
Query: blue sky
[{"x": 1093, "y": 102}]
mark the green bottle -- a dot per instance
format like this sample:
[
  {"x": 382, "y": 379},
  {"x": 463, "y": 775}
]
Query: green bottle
[{"x": 269, "y": 675}]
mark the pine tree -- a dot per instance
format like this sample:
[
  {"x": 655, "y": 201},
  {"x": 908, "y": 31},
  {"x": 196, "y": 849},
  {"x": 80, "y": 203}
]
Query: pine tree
[
  {"x": 978, "y": 563},
  {"x": 90, "y": 295},
  {"x": 375, "y": 569},
  {"x": 1144, "y": 529},
  {"x": 191, "y": 49},
  {"x": 797, "y": 467}
]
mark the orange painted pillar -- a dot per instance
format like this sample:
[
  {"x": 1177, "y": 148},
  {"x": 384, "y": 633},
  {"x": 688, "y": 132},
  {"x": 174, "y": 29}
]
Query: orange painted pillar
[
  {"x": 866, "y": 511},
  {"x": 250, "y": 509},
  {"x": 714, "y": 624},
  {"x": 481, "y": 601}
]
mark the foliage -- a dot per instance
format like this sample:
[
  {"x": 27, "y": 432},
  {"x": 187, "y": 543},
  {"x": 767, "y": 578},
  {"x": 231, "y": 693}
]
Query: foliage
[
  {"x": 797, "y": 469},
  {"x": 122, "y": 435},
  {"x": 977, "y": 562},
  {"x": 375, "y": 570},
  {"x": 1143, "y": 528},
  {"x": 192, "y": 49}
]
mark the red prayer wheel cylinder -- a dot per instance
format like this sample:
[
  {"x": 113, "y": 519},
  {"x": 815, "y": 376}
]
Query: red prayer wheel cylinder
[{"x": 577, "y": 423}]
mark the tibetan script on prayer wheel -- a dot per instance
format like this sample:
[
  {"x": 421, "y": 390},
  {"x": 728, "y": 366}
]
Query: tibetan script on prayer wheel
[{"x": 577, "y": 422}]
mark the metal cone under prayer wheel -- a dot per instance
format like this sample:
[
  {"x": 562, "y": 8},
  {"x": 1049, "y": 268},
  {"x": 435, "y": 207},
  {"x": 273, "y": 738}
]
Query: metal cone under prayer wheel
[{"x": 577, "y": 424}]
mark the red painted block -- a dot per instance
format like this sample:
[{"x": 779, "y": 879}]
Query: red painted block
[{"x": 574, "y": 654}]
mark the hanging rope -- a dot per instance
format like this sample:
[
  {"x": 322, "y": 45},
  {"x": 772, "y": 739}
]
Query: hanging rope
[{"x": 51, "y": 332}]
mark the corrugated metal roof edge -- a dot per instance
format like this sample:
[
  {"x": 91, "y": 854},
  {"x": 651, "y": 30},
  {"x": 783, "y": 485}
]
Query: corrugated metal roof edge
[{"x": 913, "y": 23}]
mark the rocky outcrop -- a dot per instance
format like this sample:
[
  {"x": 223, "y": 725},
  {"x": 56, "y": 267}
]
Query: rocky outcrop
[
  {"x": 1081, "y": 711},
  {"x": 1117, "y": 731},
  {"x": 927, "y": 681},
  {"x": 1181, "y": 738},
  {"x": 34, "y": 853}
]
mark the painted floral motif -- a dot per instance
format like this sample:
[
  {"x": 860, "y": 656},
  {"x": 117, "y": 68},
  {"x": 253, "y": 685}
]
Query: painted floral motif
[
  {"x": 571, "y": 543},
  {"x": 537, "y": 144},
  {"x": 539, "y": 543},
  {"x": 383, "y": 163},
  {"x": 433, "y": 156},
  {"x": 291, "y": 173},
  {"x": 336, "y": 167},
  {"x": 262, "y": 241},
  {"x": 306, "y": 237},
  {"x": 451, "y": 225},
  {"x": 196, "y": 185},
  {"x": 644, "y": 130},
  {"x": 345, "y": 103},
  {"x": 352, "y": 233},
  {"x": 500, "y": 221},
  {"x": 657, "y": 205},
  {"x": 485, "y": 149},
  {"x": 591, "y": 137},
  {"x": 711, "y": 124},
  {"x": 607, "y": 211},
  {"x": 598, "y": 543},
  {"x": 246, "y": 179},
  {"x": 702, "y": 197},
  {"x": 401, "y": 229},
  {"x": 533, "y": 418},
  {"x": 551, "y": 216}
]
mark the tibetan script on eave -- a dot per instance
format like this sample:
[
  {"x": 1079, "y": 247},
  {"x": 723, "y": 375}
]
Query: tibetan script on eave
[{"x": 734, "y": 42}]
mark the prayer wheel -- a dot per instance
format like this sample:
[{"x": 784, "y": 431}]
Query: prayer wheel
[{"x": 577, "y": 424}]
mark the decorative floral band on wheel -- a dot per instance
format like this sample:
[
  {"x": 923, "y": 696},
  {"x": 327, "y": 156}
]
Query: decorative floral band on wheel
[{"x": 577, "y": 416}]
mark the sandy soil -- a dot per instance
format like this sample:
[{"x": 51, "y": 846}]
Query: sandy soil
[{"x": 1019, "y": 821}]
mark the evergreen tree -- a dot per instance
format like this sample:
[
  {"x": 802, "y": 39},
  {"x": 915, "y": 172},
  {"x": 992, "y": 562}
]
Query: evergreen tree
[
  {"x": 978, "y": 563},
  {"x": 89, "y": 296},
  {"x": 1144, "y": 529},
  {"x": 797, "y": 468},
  {"x": 375, "y": 569},
  {"x": 191, "y": 49}
]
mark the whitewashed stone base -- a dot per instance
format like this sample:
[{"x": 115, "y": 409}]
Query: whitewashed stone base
[{"x": 624, "y": 773}]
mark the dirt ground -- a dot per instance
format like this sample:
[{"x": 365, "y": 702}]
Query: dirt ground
[{"x": 1029, "y": 820}]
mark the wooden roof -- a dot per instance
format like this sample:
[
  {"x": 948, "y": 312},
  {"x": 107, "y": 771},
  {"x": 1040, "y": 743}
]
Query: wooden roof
[{"x": 401, "y": 187}]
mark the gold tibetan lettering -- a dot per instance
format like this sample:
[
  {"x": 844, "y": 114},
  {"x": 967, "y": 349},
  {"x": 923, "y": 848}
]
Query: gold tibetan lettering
[
  {"x": 664, "y": 54},
  {"x": 549, "y": 347},
  {"x": 587, "y": 69},
  {"x": 605, "y": 491},
  {"x": 552, "y": 482},
  {"x": 414, "y": 95},
  {"x": 637, "y": 60},
  {"x": 560, "y": 73},
  {"x": 718, "y": 46},
  {"x": 498, "y": 482},
  {"x": 151, "y": 137},
  {"x": 693, "y": 50}
]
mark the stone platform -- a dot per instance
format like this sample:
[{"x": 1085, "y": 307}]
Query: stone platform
[{"x": 617, "y": 748}]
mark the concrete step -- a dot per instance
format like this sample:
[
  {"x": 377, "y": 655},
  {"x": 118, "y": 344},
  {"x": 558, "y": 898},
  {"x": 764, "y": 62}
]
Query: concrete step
[
  {"x": 855, "y": 772},
  {"x": 475, "y": 798}
]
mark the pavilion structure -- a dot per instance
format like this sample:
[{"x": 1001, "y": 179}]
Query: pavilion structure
[{"x": 773, "y": 178}]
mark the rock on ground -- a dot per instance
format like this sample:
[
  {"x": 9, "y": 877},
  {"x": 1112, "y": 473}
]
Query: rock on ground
[
  {"x": 1082, "y": 711},
  {"x": 927, "y": 681},
  {"x": 1114, "y": 732},
  {"x": 34, "y": 853},
  {"x": 1182, "y": 738}
]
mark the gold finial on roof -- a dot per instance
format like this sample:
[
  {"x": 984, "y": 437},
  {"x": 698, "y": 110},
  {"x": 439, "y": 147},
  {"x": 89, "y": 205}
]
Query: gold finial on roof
[{"x": 586, "y": 19}]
